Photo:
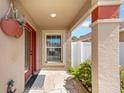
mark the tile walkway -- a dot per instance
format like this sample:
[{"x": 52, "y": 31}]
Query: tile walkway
[{"x": 55, "y": 82}]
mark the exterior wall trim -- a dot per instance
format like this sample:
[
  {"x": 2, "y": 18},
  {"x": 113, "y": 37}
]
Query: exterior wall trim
[
  {"x": 106, "y": 21},
  {"x": 105, "y": 3}
]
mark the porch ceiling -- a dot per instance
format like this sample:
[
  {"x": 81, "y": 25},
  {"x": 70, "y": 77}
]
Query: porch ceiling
[{"x": 40, "y": 10}]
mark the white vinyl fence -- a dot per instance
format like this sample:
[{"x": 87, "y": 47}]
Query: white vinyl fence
[
  {"x": 81, "y": 51},
  {"x": 121, "y": 46}
]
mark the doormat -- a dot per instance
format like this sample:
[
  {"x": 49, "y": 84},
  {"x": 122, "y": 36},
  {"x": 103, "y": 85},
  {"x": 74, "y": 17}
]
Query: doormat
[{"x": 30, "y": 82}]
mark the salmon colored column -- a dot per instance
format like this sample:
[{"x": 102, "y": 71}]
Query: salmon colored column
[{"x": 105, "y": 49}]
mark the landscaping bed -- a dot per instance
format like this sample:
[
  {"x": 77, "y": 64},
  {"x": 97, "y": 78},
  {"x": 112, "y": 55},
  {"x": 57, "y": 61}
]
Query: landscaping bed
[{"x": 83, "y": 74}]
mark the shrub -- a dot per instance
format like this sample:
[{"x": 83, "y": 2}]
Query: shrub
[
  {"x": 122, "y": 79},
  {"x": 122, "y": 90},
  {"x": 83, "y": 73}
]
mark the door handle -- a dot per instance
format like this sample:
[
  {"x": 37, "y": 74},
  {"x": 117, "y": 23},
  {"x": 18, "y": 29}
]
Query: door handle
[{"x": 30, "y": 53}]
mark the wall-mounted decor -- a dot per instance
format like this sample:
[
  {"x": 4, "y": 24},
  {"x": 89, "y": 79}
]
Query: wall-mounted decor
[
  {"x": 11, "y": 28},
  {"x": 10, "y": 87},
  {"x": 11, "y": 24}
]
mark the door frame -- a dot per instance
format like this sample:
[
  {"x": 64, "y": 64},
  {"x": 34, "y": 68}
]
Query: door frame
[{"x": 32, "y": 65}]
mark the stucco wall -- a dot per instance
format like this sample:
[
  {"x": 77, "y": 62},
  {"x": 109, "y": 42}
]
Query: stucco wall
[
  {"x": 11, "y": 57},
  {"x": 22, "y": 11},
  {"x": 11, "y": 62},
  {"x": 39, "y": 49},
  {"x": 12, "y": 53},
  {"x": 68, "y": 49},
  {"x": 3, "y": 7}
]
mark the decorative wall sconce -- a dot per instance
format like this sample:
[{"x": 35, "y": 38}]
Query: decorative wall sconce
[{"x": 10, "y": 87}]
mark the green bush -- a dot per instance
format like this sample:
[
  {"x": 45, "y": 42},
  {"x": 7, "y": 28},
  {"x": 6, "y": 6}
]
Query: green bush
[
  {"x": 83, "y": 73},
  {"x": 122, "y": 79},
  {"x": 122, "y": 90}
]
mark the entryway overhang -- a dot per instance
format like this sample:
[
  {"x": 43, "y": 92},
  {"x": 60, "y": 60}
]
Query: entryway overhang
[{"x": 68, "y": 12}]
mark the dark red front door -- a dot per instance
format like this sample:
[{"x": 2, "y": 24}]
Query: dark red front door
[{"x": 30, "y": 52}]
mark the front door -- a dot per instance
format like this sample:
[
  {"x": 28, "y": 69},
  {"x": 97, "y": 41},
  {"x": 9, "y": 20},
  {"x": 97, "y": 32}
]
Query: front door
[{"x": 30, "y": 52}]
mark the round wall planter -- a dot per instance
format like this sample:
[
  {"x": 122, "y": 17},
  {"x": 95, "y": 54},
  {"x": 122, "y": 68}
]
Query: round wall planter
[{"x": 11, "y": 27}]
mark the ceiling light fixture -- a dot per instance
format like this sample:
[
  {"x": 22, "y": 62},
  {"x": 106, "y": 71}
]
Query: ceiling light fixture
[{"x": 53, "y": 15}]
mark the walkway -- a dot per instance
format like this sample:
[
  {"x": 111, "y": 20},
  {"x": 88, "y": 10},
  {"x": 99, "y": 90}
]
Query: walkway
[{"x": 55, "y": 82}]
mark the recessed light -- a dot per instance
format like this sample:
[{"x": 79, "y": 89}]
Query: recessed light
[{"x": 53, "y": 15}]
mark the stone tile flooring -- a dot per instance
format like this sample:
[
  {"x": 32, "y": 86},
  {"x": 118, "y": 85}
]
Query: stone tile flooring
[{"x": 54, "y": 82}]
